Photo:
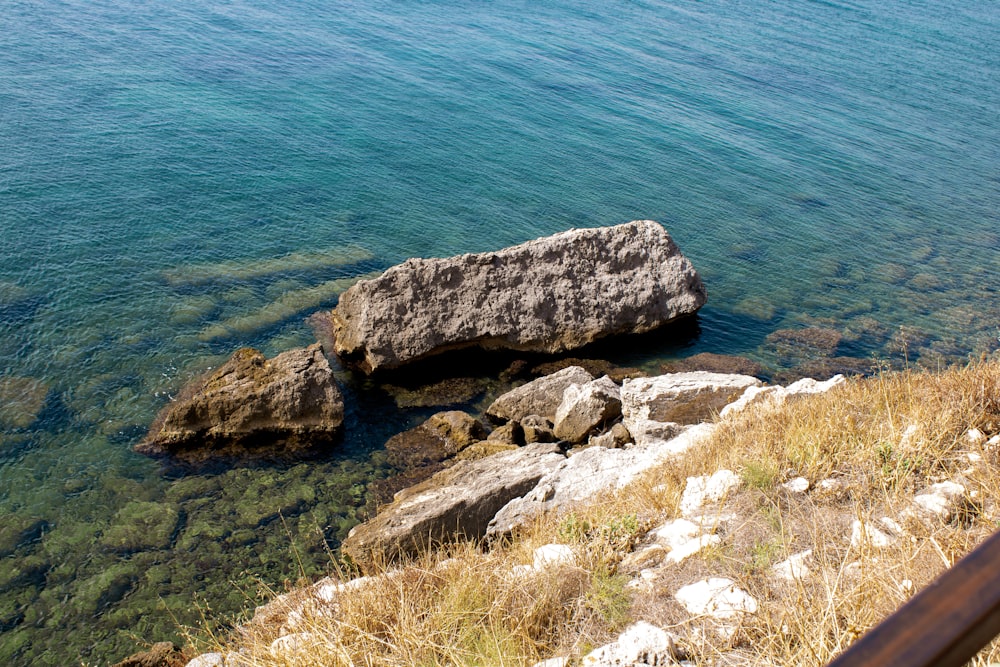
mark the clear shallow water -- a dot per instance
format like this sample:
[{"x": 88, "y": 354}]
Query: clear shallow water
[{"x": 823, "y": 164}]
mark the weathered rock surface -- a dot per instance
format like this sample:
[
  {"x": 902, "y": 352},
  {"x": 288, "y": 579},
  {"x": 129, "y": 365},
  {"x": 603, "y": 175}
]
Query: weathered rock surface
[
  {"x": 713, "y": 363},
  {"x": 653, "y": 407},
  {"x": 161, "y": 654},
  {"x": 585, "y": 407},
  {"x": 455, "y": 503},
  {"x": 537, "y": 429},
  {"x": 588, "y": 473},
  {"x": 441, "y": 437},
  {"x": 251, "y": 405},
  {"x": 548, "y": 295},
  {"x": 540, "y": 397}
]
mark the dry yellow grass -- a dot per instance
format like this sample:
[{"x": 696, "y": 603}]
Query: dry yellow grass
[{"x": 885, "y": 438}]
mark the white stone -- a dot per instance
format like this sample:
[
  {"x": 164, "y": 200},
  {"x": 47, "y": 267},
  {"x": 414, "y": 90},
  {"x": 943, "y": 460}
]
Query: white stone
[
  {"x": 794, "y": 567},
  {"x": 975, "y": 437},
  {"x": 810, "y": 386},
  {"x": 691, "y": 547},
  {"x": 909, "y": 433},
  {"x": 292, "y": 643},
  {"x": 865, "y": 533},
  {"x": 994, "y": 441},
  {"x": 553, "y": 554},
  {"x": 941, "y": 499},
  {"x": 797, "y": 485},
  {"x": 653, "y": 407},
  {"x": 891, "y": 525},
  {"x": 716, "y": 597},
  {"x": 776, "y": 395},
  {"x": 751, "y": 396},
  {"x": 640, "y": 644},
  {"x": 700, "y": 491},
  {"x": 676, "y": 532},
  {"x": 553, "y": 662},
  {"x": 592, "y": 471},
  {"x": 973, "y": 457},
  {"x": 330, "y": 590},
  {"x": 832, "y": 485},
  {"x": 207, "y": 660}
]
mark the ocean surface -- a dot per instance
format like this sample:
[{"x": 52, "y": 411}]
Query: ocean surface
[{"x": 178, "y": 180}]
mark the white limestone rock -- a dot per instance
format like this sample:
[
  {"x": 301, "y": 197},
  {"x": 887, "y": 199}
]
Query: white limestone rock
[
  {"x": 293, "y": 643},
  {"x": 653, "y": 407},
  {"x": 777, "y": 395},
  {"x": 941, "y": 500},
  {"x": 717, "y": 598},
  {"x": 798, "y": 486},
  {"x": 540, "y": 397},
  {"x": 706, "y": 490},
  {"x": 589, "y": 472},
  {"x": 207, "y": 660},
  {"x": 550, "y": 555},
  {"x": 866, "y": 534},
  {"x": 795, "y": 567},
  {"x": 641, "y": 644}
]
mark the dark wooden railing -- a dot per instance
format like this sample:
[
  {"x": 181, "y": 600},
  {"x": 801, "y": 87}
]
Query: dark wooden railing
[{"x": 944, "y": 625}]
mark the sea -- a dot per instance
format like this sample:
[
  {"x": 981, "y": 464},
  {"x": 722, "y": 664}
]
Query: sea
[{"x": 182, "y": 179}]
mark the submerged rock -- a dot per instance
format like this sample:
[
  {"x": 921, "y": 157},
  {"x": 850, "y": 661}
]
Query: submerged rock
[
  {"x": 161, "y": 654},
  {"x": 714, "y": 363},
  {"x": 439, "y": 438},
  {"x": 548, "y": 295},
  {"x": 455, "y": 503},
  {"x": 21, "y": 399},
  {"x": 249, "y": 406}
]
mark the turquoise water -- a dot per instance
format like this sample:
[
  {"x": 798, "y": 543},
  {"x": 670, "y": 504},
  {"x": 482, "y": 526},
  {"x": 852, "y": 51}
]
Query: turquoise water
[{"x": 171, "y": 171}]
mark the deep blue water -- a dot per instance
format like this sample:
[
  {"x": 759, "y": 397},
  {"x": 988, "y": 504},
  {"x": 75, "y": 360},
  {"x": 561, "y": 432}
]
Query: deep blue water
[{"x": 831, "y": 164}]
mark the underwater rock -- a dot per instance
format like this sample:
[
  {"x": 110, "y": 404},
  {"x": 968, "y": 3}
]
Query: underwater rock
[
  {"x": 827, "y": 368},
  {"x": 596, "y": 367},
  {"x": 548, "y": 295},
  {"x": 714, "y": 363},
  {"x": 160, "y": 654},
  {"x": 251, "y": 406},
  {"x": 17, "y": 531},
  {"x": 456, "y": 503},
  {"x": 539, "y": 397},
  {"x": 21, "y": 399},
  {"x": 450, "y": 391},
  {"x": 236, "y": 270},
  {"x": 441, "y": 437},
  {"x": 797, "y": 345},
  {"x": 140, "y": 526}
]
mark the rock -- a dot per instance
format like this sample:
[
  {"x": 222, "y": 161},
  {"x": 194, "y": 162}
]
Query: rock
[
  {"x": 828, "y": 368},
  {"x": 508, "y": 434},
  {"x": 21, "y": 399},
  {"x": 588, "y": 473},
  {"x": 596, "y": 367},
  {"x": 480, "y": 450},
  {"x": 975, "y": 437},
  {"x": 548, "y": 295},
  {"x": 793, "y": 346},
  {"x": 585, "y": 407},
  {"x": 652, "y": 407},
  {"x": 251, "y": 405},
  {"x": 540, "y": 397},
  {"x": 797, "y": 486},
  {"x": 618, "y": 436},
  {"x": 141, "y": 526},
  {"x": 716, "y": 597},
  {"x": 714, "y": 363},
  {"x": 161, "y": 654},
  {"x": 706, "y": 490},
  {"x": 640, "y": 644},
  {"x": 942, "y": 500},
  {"x": 450, "y": 391},
  {"x": 441, "y": 437},
  {"x": 553, "y": 554},
  {"x": 793, "y": 568},
  {"x": 456, "y": 503},
  {"x": 647, "y": 557},
  {"x": 683, "y": 538},
  {"x": 537, "y": 429},
  {"x": 18, "y": 531},
  {"x": 866, "y": 534},
  {"x": 291, "y": 644},
  {"x": 778, "y": 395},
  {"x": 207, "y": 660}
]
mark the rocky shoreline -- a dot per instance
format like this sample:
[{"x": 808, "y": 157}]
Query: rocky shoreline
[{"x": 559, "y": 439}]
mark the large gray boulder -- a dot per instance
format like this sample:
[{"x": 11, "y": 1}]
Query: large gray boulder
[
  {"x": 548, "y": 295},
  {"x": 456, "y": 503},
  {"x": 540, "y": 397},
  {"x": 251, "y": 406},
  {"x": 652, "y": 408}
]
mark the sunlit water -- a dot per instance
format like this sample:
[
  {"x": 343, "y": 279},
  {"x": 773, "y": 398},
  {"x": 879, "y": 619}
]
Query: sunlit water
[{"x": 181, "y": 179}]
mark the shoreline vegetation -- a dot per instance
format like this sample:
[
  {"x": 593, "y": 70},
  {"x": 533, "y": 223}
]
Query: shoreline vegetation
[{"x": 842, "y": 506}]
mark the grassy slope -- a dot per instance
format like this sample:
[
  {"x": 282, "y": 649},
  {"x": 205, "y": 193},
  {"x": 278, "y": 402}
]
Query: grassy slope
[{"x": 885, "y": 438}]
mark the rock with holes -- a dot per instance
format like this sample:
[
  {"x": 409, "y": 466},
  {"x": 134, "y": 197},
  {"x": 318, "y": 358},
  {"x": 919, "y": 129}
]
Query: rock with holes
[{"x": 548, "y": 295}]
